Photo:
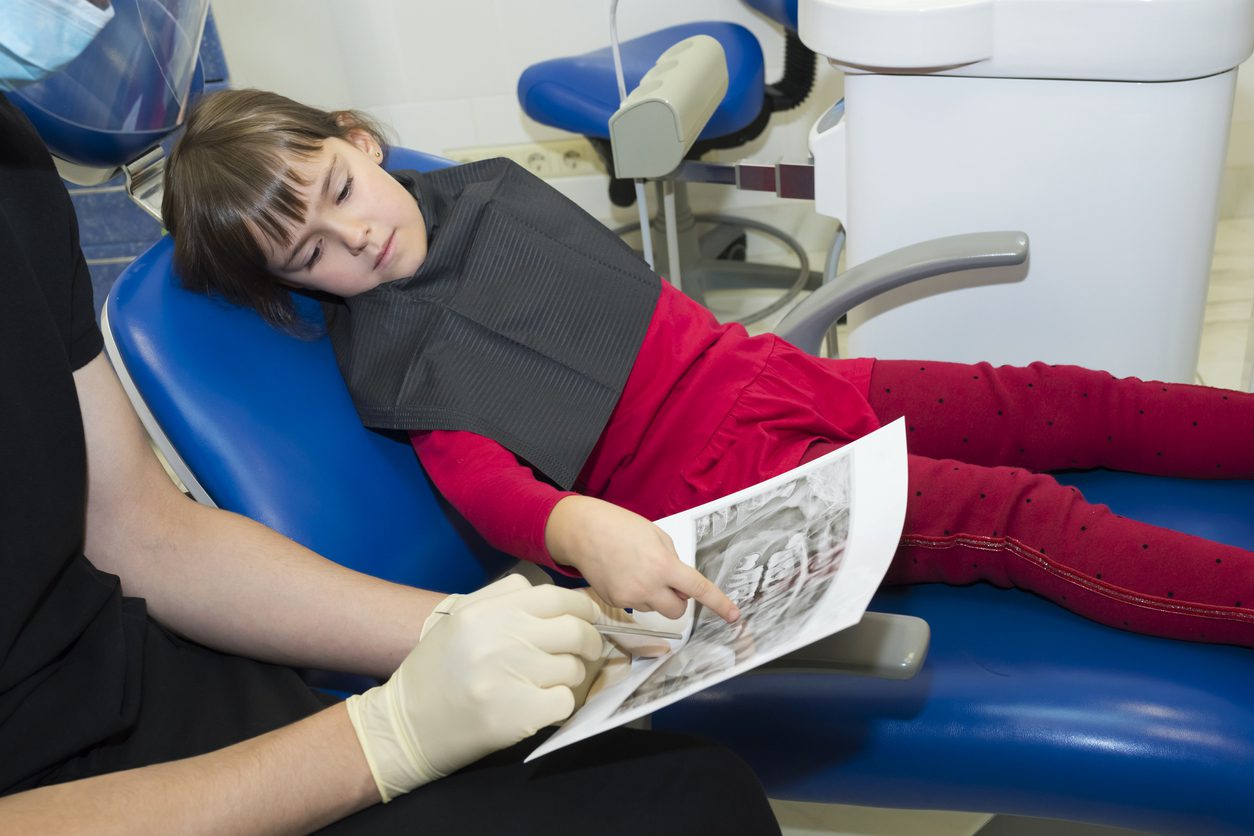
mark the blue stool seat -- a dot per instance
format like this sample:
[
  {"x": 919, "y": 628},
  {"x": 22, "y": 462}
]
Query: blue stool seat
[
  {"x": 579, "y": 93},
  {"x": 783, "y": 12}
]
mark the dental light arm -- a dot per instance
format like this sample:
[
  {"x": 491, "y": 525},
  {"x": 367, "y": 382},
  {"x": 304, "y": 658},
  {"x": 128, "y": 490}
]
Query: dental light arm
[
  {"x": 642, "y": 204},
  {"x": 659, "y": 121}
]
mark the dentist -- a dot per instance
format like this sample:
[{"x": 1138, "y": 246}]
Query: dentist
[{"x": 147, "y": 642}]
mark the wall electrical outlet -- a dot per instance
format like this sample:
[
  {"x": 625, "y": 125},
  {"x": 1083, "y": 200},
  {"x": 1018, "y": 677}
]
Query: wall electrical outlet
[{"x": 551, "y": 159}]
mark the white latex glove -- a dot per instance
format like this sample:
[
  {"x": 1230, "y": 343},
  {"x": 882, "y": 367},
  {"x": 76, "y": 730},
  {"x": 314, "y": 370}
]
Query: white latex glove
[
  {"x": 451, "y": 604},
  {"x": 493, "y": 672},
  {"x": 613, "y": 664}
]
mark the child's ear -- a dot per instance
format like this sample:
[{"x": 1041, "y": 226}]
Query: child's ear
[{"x": 365, "y": 143}]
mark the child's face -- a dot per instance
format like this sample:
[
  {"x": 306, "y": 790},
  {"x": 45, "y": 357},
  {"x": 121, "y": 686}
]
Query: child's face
[{"x": 361, "y": 227}]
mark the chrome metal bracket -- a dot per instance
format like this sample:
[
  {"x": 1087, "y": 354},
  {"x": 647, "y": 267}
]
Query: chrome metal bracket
[{"x": 145, "y": 180}]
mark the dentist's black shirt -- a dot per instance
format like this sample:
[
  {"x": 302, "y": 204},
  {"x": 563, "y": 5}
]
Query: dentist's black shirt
[
  {"x": 88, "y": 683},
  {"x": 64, "y": 627}
]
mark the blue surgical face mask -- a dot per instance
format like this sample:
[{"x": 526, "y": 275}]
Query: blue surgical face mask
[{"x": 39, "y": 37}]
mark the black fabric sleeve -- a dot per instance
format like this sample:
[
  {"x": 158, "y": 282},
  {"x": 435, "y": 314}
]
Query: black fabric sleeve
[{"x": 85, "y": 338}]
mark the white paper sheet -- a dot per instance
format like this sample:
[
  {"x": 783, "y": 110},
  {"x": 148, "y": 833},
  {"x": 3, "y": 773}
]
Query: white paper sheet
[{"x": 800, "y": 555}]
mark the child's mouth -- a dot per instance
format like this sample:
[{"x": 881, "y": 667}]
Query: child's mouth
[{"x": 386, "y": 252}]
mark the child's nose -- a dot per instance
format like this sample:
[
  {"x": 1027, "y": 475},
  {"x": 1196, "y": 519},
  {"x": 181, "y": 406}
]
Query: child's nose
[{"x": 356, "y": 236}]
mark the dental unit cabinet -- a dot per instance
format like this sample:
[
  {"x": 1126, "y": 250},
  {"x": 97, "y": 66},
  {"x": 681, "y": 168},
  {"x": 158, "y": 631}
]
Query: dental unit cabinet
[{"x": 1099, "y": 127}]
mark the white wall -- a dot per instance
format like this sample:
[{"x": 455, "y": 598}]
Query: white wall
[
  {"x": 1237, "y": 199},
  {"x": 443, "y": 76},
  {"x": 451, "y": 84},
  {"x": 441, "y": 85}
]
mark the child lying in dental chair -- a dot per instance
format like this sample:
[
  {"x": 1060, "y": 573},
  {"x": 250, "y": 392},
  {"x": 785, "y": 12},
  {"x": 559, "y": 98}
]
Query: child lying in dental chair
[{"x": 561, "y": 395}]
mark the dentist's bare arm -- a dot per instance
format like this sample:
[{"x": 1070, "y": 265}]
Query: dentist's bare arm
[
  {"x": 494, "y": 671},
  {"x": 293, "y": 780},
  {"x": 221, "y": 579}
]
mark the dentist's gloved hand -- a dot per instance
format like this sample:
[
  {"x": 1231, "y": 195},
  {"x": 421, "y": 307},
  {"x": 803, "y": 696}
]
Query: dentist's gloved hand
[
  {"x": 620, "y": 649},
  {"x": 491, "y": 673},
  {"x": 453, "y": 603}
]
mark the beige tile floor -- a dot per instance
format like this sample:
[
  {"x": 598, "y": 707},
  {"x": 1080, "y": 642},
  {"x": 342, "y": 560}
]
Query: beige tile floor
[{"x": 1224, "y": 360}]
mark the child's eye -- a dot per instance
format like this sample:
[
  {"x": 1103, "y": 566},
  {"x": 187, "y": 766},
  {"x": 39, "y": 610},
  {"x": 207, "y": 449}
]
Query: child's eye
[
  {"x": 314, "y": 256},
  {"x": 346, "y": 191}
]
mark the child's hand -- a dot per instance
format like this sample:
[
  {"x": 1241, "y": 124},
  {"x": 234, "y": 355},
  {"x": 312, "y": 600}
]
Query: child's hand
[{"x": 628, "y": 560}]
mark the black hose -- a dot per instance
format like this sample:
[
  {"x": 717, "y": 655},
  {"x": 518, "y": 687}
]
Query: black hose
[{"x": 798, "y": 79}]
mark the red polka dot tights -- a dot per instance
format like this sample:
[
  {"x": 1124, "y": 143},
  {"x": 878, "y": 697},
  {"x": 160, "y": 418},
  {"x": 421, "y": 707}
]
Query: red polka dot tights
[{"x": 982, "y": 509}]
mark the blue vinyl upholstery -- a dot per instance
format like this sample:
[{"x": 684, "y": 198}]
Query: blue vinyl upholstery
[
  {"x": 1021, "y": 707},
  {"x": 579, "y": 93},
  {"x": 783, "y": 12}
]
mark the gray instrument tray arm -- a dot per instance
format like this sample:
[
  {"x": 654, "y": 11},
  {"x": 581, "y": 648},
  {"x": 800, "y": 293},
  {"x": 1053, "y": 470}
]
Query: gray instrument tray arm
[{"x": 807, "y": 324}]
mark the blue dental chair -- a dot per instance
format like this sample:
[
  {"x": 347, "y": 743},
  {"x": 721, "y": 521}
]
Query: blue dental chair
[{"x": 1020, "y": 707}]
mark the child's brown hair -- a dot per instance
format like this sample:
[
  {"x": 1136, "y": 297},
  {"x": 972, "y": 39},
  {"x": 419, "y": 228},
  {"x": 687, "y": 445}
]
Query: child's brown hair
[{"x": 229, "y": 182}]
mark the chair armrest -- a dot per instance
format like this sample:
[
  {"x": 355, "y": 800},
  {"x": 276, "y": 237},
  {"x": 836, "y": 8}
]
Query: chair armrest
[
  {"x": 806, "y": 325},
  {"x": 887, "y": 645}
]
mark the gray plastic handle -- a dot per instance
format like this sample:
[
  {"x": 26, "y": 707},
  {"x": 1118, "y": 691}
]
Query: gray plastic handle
[
  {"x": 807, "y": 324},
  {"x": 881, "y": 644}
]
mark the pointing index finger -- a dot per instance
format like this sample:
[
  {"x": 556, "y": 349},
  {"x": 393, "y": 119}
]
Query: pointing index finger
[{"x": 695, "y": 585}]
